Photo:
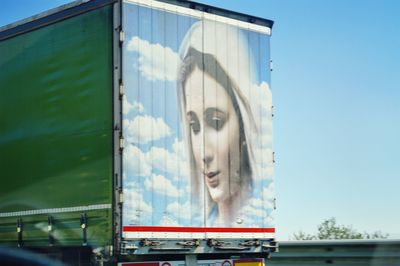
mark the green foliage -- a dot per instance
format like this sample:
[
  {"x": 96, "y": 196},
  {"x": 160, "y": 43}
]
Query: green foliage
[
  {"x": 303, "y": 236},
  {"x": 329, "y": 229}
]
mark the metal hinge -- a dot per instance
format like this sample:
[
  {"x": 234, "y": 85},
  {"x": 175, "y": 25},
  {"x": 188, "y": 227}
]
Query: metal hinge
[
  {"x": 194, "y": 243},
  {"x": 121, "y": 196},
  {"x": 250, "y": 243},
  {"x": 121, "y": 89},
  {"x": 272, "y": 111},
  {"x": 121, "y": 36},
  {"x": 121, "y": 143},
  {"x": 153, "y": 243},
  {"x": 271, "y": 65},
  {"x": 273, "y": 157}
]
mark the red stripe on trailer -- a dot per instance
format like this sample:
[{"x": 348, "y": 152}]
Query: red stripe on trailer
[{"x": 196, "y": 229}]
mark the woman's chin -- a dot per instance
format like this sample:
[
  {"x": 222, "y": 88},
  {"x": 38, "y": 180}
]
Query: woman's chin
[{"x": 217, "y": 195}]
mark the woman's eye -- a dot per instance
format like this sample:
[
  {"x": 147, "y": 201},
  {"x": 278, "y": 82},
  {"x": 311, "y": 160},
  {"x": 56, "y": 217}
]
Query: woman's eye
[
  {"x": 195, "y": 126},
  {"x": 194, "y": 123},
  {"x": 216, "y": 122}
]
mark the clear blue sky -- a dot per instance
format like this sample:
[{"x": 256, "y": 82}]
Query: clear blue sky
[{"x": 337, "y": 115}]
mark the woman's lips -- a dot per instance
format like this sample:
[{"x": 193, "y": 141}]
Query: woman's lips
[{"x": 212, "y": 178}]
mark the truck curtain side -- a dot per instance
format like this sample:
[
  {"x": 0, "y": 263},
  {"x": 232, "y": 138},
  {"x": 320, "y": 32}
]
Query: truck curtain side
[
  {"x": 138, "y": 128},
  {"x": 56, "y": 132}
]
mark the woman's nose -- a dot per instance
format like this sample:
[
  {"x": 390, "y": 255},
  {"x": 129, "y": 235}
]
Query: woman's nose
[
  {"x": 209, "y": 146},
  {"x": 207, "y": 159},
  {"x": 208, "y": 154}
]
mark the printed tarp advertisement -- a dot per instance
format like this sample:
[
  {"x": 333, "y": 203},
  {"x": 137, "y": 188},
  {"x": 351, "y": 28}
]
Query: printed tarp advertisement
[{"x": 197, "y": 123}]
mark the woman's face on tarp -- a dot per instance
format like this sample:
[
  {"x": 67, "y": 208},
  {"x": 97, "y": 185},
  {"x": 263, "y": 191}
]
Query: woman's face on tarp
[{"x": 214, "y": 131}]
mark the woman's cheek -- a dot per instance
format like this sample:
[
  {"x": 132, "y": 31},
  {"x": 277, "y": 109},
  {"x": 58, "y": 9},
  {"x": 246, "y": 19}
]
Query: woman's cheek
[
  {"x": 234, "y": 150},
  {"x": 197, "y": 149},
  {"x": 227, "y": 141}
]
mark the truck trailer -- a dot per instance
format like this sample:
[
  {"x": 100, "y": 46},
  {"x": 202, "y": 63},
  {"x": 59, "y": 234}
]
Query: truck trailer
[{"x": 138, "y": 130}]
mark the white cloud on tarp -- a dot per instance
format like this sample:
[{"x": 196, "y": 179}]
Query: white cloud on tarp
[
  {"x": 134, "y": 201},
  {"x": 161, "y": 185},
  {"x": 135, "y": 206},
  {"x": 263, "y": 114},
  {"x": 169, "y": 221},
  {"x": 167, "y": 162},
  {"x": 180, "y": 210},
  {"x": 263, "y": 157},
  {"x": 269, "y": 221},
  {"x": 256, "y": 202},
  {"x": 144, "y": 128},
  {"x": 139, "y": 163},
  {"x": 266, "y": 139},
  {"x": 156, "y": 62},
  {"x": 254, "y": 211},
  {"x": 129, "y": 107},
  {"x": 260, "y": 100},
  {"x": 179, "y": 148},
  {"x": 267, "y": 173},
  {"x": 257, "y": 211},
  {"x": 135, "y": 161},
  {"x": 269, "y": 192}
]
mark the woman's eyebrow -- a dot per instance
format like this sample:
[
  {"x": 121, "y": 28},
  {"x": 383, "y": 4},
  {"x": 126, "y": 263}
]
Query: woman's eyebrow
[{"x": 191, "y": 114}]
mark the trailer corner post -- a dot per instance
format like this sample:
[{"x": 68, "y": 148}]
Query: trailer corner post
[{"x": 117, "y": 127}]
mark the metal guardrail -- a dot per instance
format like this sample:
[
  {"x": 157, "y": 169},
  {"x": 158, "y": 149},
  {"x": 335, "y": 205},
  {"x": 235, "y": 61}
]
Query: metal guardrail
[{"x": 337, "y": 252}]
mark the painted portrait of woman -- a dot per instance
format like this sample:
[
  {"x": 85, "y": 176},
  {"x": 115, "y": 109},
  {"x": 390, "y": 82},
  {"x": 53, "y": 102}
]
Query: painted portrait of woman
[
  {"x": 197, "y": 122},
  {"x": 214, "y": 88}
]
